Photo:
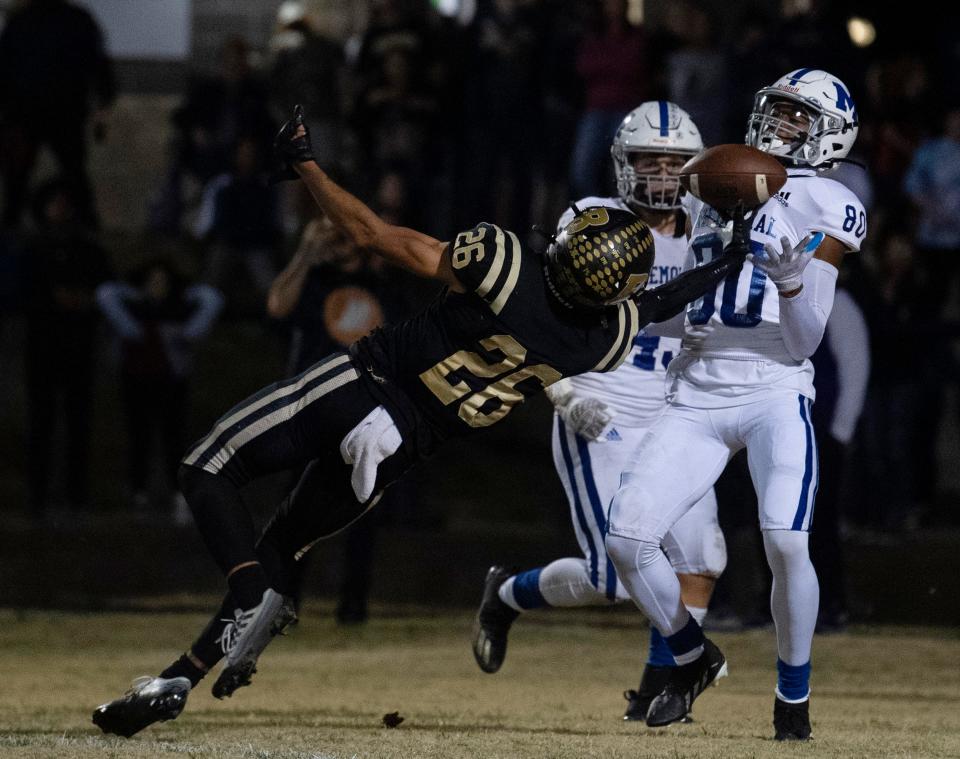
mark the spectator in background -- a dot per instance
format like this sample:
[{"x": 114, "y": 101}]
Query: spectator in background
[
  {"x": 612, "y": 63},
  {"x": 309, "y": 68},
  {"x": 501, "y": 118},
  {"x": 239, "y": 218},
  {"x": 753, "y": 61},
  {"x": 53, "y": 73},
  {"x": 901, "y": 341},
  {"x": 899, "y": 94},
  {"x": 65, "y": 265},
  {"x": 842, "y": 365},
  {"x": 561, "y": 103},
  {"x": 330, "y": 293},
  {"x": 160, "y": 319},
  {"x": 393, "y": 25},
  {"x": 218, "y": 112},
  {"x": 397, "y": 75},
  {"x": 816, "y": 30},
  {"x": 932, "y": 183},
  {"x": 333, "y": 294},
  {"x": 397, "y": 114},
  {"x": 697, "y": 73}
]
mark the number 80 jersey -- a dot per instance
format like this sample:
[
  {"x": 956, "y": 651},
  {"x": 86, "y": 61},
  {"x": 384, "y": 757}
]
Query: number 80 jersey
[{"x": 739, "y": 319}]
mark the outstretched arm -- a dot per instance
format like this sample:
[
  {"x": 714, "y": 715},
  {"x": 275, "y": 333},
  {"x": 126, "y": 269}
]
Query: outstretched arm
[
  {"x": 665, "y": 302},
  {"x": 417, "y": 252}
]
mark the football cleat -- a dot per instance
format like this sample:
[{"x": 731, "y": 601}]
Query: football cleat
[
  {"x": 492, "y": 623},
  {"x": 245, "y": 637},
  {"x": 686, "y": 683},
  {"x": 149, "y": 700},
  {"x": 654, "y": 680},
  {"x": 791, "y": 721}
]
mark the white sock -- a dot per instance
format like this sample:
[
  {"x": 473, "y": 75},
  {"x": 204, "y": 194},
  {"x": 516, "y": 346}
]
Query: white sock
[
  {"x": 698, "y": 613},
  {"x": 566, "y": 582},
  {"x": 506, "y": 595}
]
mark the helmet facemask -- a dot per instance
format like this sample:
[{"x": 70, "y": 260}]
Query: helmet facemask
[{"x": 650, "y": 179}]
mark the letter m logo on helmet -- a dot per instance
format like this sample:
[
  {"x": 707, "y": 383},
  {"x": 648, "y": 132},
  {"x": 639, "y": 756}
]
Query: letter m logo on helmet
[{"x": 844, "y": 101}]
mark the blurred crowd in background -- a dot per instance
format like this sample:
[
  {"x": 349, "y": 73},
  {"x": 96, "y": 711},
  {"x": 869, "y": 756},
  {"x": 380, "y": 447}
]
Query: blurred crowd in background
[{"x": 439, "y": 121}]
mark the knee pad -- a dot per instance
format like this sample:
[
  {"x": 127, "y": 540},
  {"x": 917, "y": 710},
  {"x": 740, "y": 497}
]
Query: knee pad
[
  {"x": 625, "y": 516},
  {"x": 712, "y": 559},
  {"x": 787, "y": 550},
  {"x": 630, "y": 553}
]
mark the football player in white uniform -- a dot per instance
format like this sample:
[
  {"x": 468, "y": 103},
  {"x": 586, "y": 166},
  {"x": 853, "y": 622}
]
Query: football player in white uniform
[
  {"x": 743, "y": 379},
  {"x": 600, "y": 420}
]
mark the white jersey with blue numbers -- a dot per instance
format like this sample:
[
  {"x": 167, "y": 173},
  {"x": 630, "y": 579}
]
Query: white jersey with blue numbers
[
  {"x": 635, "y": 391},
  {"x": 732, "y": 348}
]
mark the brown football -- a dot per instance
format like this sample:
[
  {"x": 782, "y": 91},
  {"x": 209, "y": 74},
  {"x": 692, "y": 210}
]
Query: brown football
[{"x": 725, "y": 175}]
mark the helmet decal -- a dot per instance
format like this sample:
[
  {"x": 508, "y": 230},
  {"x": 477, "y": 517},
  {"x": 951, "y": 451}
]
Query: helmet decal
[{"x": 602, "y": 257}]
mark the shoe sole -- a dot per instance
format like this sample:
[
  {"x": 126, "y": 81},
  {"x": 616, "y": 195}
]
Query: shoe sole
[
  {"x": 163, "y": 709},
  {"x": 240, "y": 673},
  {"x": 479, "y": 636},
  {"x": 480, "y": 640},
  {"x": 721, "y": 673}
]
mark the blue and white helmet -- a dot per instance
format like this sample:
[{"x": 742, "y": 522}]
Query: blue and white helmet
[
  {"x": 831, "y": 116},
  {"x": 656, "y": 127}
]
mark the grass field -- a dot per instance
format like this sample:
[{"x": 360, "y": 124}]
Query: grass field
[{"x": 322, "y": 691}]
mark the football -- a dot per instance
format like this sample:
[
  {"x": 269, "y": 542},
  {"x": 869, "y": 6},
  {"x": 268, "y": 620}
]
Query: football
[{"x": 725, "y": 175}]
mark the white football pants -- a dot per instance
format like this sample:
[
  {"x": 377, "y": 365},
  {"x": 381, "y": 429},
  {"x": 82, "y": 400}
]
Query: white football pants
[
  {"x": 590, "y": 473},
  {"x": 677, "y": 463}
]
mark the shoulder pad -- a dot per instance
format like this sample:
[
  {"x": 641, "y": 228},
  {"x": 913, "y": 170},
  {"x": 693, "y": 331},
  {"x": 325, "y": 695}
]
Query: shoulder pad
[{"x": 486, "y": 260}]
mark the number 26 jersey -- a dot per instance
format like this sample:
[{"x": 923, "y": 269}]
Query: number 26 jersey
[{"x": 468, "y": 358}]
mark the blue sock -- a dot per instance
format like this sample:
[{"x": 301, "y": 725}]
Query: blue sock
[
  {"x": 793, "y": 682},
  {"x": 660, "y": 653},
  {"x": 526, "y": 590},
  {"x": 687, "y": 644}
]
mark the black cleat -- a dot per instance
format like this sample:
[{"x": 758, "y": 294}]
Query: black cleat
[
  {"x": 791, "y": 721},
  {"x": 244, "y": 639},
  {"x": 685, "y": 684},
  {"x": 492, "y": 623},
  {"x": 654, "y": 680},
  {"x": 149, "y": 700}
]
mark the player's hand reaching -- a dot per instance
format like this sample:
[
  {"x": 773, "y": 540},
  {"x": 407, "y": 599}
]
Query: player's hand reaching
[
  {"x": 588, "y": 417},
  {"x": 292, "y": 146},
  {"x": 739, "y": 231},
  {"x": 785, "y": 266}
]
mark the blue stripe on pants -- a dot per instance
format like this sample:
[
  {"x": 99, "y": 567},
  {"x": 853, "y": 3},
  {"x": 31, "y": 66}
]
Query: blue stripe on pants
[
  {"x": 599, "y": 514},
  {"x": 807, "y": 468},
  {"x": 577, "y": 506}
]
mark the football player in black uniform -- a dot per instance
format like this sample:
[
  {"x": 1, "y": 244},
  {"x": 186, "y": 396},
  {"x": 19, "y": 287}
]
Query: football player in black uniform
[{"x": 509, "y": 323}]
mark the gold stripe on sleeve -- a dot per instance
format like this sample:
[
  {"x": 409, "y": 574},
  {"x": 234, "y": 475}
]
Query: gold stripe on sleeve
[{"x": 507, "y": 290}]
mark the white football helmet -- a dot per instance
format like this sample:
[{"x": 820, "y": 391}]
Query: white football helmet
[
  {"x": 806, "y": 117},
  {"x": 651, "y": 130}
]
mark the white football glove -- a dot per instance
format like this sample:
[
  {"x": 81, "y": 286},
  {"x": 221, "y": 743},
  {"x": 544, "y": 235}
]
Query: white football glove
[
  {"x": 588, "y": 417},
  {"x": 785, "y": 268}
]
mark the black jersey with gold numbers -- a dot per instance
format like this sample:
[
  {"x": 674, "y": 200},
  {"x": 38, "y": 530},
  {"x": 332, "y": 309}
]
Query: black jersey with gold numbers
[{"x": 466, "y": 360}]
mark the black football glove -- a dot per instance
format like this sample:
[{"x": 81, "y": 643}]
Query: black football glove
[
  {"x": 289, "y": 149},
  {"x": 742, "y": 221}
]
